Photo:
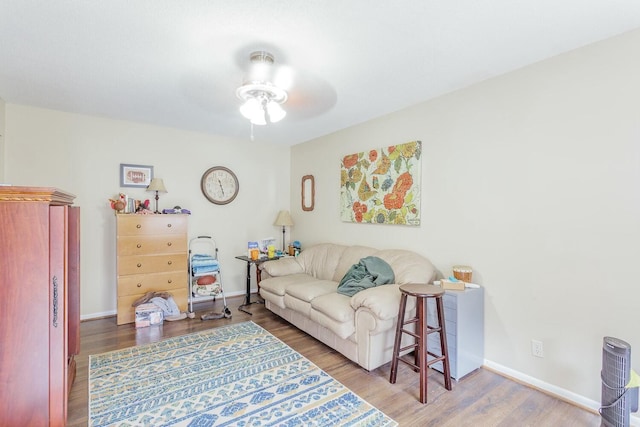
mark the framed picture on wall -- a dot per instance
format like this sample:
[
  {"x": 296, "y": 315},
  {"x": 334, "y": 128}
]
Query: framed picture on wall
[
  {"x": 382, "y": 186},
  {"x": 135, "y": 175}
]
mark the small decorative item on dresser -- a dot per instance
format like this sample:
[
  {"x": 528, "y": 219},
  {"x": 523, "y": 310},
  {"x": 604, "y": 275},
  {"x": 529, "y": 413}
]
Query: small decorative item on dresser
[
  {"x": 119, "y": 203},
  {"x": 176, "y": 210},
  {"x": 462, "y": 272},
  {"x": 157, "y": 185}
]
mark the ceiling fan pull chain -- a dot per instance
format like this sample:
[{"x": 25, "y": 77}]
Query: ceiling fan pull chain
[{"x": 251, "y": 131}]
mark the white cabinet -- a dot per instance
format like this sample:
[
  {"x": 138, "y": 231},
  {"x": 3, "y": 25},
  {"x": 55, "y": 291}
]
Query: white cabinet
[{"x": 464, "y": 323}]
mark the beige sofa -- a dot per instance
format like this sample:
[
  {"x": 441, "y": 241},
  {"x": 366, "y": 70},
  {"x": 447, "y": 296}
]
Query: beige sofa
[{"x": 302, "y": 290}]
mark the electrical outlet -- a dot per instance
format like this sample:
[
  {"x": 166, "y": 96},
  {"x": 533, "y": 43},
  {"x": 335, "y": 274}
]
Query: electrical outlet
[{"x": 536, "y": 348}]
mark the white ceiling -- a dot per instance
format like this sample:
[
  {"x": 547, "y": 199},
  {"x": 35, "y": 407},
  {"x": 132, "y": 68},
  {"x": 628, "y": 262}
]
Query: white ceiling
[{"x": 178, "y": 63}]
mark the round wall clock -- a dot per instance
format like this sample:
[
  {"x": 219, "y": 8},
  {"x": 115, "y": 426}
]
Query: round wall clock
[{"x": 219, "y": 185}]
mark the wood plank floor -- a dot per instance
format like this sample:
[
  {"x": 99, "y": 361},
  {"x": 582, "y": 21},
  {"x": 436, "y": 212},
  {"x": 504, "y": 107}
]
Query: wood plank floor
[{"x": 482, "y": 398}]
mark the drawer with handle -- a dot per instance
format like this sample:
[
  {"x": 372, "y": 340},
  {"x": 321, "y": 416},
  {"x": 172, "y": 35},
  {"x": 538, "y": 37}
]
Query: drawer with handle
[
  {"x": 143, "y": 283},
  {"x": 144, "y": 264},
  {"x": 135, "y": 225},
  {"x": 146, "y": 245}
]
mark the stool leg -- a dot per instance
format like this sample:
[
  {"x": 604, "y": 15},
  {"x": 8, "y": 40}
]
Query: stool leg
[
  {"x": 443, "y": 343},
  {"x": 398, "y": 339},
  {"x": 422, "y": 347},
  {"x": 418, "y": 351}
]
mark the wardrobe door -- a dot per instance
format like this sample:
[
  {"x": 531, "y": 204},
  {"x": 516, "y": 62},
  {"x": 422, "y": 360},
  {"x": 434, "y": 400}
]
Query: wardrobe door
[
  {"x": 73, "y": 290},
  {"x": 24, "y": 307},
  {"x": 58, "y": 337},
  {"x": 39, "y": 261}
]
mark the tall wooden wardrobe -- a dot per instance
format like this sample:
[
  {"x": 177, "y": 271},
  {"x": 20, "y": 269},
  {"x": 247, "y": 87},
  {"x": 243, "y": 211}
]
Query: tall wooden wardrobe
[{"x": 39, "y": 304}]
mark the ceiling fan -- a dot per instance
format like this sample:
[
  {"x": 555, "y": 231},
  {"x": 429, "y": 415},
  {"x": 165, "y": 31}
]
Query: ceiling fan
[
  {"x": 262, "y": 99},
  {"x": 270, "y": 92}
]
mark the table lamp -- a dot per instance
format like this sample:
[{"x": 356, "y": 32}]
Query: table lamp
[
  {"x": 158, "y": 186},
  {"x": 283, "y": 220}
]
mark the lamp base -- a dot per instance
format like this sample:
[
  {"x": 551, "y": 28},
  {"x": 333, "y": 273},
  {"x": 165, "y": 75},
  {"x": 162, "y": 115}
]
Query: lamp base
[{"x": 283, "y": 239}]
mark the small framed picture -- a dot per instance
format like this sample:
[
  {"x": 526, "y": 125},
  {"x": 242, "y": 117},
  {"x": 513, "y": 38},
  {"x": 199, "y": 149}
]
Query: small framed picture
[{"x": 135, "y": 175}]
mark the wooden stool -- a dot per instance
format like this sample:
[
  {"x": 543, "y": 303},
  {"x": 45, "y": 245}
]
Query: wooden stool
[{"x": 421, "y": 363}]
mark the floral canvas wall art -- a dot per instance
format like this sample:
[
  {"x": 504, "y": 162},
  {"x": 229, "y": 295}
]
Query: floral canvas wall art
[{"x": 382, "y": 186}]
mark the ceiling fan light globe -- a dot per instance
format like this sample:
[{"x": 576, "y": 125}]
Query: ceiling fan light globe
[
  {"x": 250, "y": 108},
  {"x": 275, "y": 111},
  {"x": 258, "y": 118}
]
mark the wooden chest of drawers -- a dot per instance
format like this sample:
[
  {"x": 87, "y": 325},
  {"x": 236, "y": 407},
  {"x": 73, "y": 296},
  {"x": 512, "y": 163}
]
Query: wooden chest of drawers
[{"x": 151, "y": 256}]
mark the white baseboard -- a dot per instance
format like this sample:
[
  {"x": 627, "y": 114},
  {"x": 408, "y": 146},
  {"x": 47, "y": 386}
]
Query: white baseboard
[
  {"x": 240, "y": 293},
  {"x": 566, "y": 395},
  {"x": 97, "y": 315},
  {"x": 93, "y": 316}
]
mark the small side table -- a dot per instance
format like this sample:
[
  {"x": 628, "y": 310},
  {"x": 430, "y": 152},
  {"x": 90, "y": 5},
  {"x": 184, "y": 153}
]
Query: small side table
[{"x": 257, "y": 262}]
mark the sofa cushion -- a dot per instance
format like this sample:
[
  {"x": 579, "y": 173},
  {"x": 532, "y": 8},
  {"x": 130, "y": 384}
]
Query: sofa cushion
[
  {"x": 320, "y": 261},
  {"x": 297, "y": 305},
  {"x": 312, "y": 289},
  {"x": 278, "y": 285},
  {"x": 408, "y": 266},
  {"x": 334, "y": 312},
  {"x": 282, "y": 267},
  {"x": 274, "y": 299},
  {"x": 351, "y": 255},
  {"x": 335, "y": 306},
  {"x": 298, "y": 298},
  {"x": 382, "y": 301}
]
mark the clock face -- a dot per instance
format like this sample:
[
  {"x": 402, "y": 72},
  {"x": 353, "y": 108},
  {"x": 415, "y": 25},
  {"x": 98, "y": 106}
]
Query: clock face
[{"x": 219, "y": 185}]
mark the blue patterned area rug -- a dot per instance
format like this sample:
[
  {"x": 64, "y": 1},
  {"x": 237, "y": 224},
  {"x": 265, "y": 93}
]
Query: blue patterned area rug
[{"x": 236, "y": 375}]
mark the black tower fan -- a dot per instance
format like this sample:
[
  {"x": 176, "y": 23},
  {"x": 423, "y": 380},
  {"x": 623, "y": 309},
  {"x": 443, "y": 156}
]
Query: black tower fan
[{"x": 617, "y": 400}]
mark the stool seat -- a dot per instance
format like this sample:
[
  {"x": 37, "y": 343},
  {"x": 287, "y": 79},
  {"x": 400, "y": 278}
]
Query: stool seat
[{"x": 422, "y": 292}]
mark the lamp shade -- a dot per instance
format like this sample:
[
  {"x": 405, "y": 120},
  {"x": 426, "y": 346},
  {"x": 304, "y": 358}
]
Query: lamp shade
[
  {"x": 157, "y": 185},
  {"x": 283, "y": 219}
]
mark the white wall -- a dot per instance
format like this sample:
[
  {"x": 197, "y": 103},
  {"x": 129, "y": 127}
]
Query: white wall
[
  {"x": 82, "y": 155},
  {"x": 531, "y": 178}
]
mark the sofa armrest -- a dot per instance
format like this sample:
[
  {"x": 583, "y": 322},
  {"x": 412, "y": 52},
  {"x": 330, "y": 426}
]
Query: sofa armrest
[
  {"x": 383, "y": 301},
  {"x": 282, "y": 267}
]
